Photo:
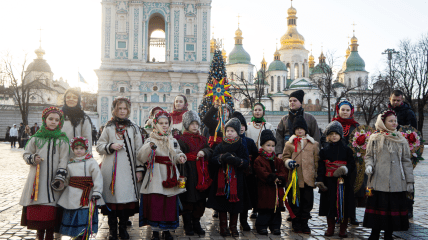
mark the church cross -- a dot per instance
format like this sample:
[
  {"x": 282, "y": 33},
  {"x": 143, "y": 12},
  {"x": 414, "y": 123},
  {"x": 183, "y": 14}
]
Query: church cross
[
  {"x": 40, "y": 41},
  {"x": 353, "y": 24},
  {"x": 238, "y": 19}
]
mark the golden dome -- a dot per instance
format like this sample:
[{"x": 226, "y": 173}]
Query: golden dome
[
  {"x": 212, "y": 45},
  {"x": 238, "y": 33},
  {"x": 311, "y": 57},
  {"x": 264, "y": 63},
  {"x": 348, "y": 51},
  {"x": 354, "y": 39},
  {"x": 292, "y": 39},
  {"x": 292, "y": 11},
  {"x": 40, "y": 52}
]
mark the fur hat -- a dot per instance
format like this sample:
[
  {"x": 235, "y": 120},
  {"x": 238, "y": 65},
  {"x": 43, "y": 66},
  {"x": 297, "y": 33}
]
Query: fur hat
[
  {"x": 299, "y": 122},
  {"x": 189, "y": 117},
  {"x": 299, "y": 94},
  {"x": 241, "y": 118},
  {"x": 267, "y": 135},
  {"x": 233, "y": 123},
  {"x": 334, "y": 126}
]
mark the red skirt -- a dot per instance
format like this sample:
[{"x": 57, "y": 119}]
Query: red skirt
[
  {"x": 39, "y": 217},
  {"x": 158, "y": 207}
]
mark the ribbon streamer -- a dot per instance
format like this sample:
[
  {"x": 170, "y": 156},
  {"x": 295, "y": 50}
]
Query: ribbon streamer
[
  {"x": 35, "y": 193},
  {"x": 87, "y": 232},
  {"x": 113, "y": 177},
  {"x": 277, "y": 197},
  {"x": 293, "y": 184},
  {"x": 340, "y": 203},
  {"x": 151, "y": 165}
]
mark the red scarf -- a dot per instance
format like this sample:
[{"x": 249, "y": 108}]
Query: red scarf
[
  {"x": 296, "y": 143},
  {"x": 84, "y": 183},
  {"x": 211, "y": 141},
  {"x": 170, "y": 181},
  {"x": 204, "y": 180},
  {"x": 177, "y": 116},
  {"x": 346, "y": 124},
  {"x": 233, "y": 183}
]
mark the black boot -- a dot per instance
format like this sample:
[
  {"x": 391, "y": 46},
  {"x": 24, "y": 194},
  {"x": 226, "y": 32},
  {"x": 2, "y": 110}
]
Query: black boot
[
  {"x": 167, "y": 235},
  {"x": 197, "y": 228},
  {"x": 387, "y": 235},
  {"x": 375, "y": 234},
  {"x": 123, "y": 232},
  {"x": 187, "y": 224},
  {"x": 155, "y": 235},
  {"x": 305, "y": 226},
  {"x": 224, "y": 230},
  {"x": 112, "y": 224},
  {"x": 253, "y": 214},
  {"x": 296, "y": 226},
  {"x": 243, "y": 220},
  {"x": 234, "y": 224}
]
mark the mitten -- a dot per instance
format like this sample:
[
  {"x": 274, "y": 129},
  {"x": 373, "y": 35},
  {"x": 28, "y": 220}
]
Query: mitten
[
  {"x": 234, "y": 161},
  {"x": 369, "y": 170},
  {"x": 321, "y": 186},
  {"x": 340, "y": 171},
  {"x": 410, "y": 187},
  {"x": 224, "y": 156},
  {"x": 291, "y": 164}
]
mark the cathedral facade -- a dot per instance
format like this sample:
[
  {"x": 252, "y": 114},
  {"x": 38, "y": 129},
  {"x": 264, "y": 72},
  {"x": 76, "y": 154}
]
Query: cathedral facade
[{"x": 128, "y": 63}]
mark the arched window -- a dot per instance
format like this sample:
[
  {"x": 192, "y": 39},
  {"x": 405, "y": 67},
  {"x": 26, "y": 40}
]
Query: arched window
[
  {"x": 303, "y": 70},
  {"x": 278, "y": 84},
  {"x": 309, "y": 101},
  {"x": 283, "y": 82},
  {"x": 145, "y": 97},
  {"x": 288, "y": 71},
  {"x": 272, "y": 84},
  {"x": 349, "y": 82},
  {"x": 164, "y": 98},
  {"x": 296, "y": 71},
  {"x": 317, "y": 101},
  {"x": 242, "y": 76},
  {"x": 359, "y": 82},
  {"x": 121, "y": 24},
  {"x": 156, "y": 33},
  {"x": 122, "y": 89},
  {"x": 187, "y": 91}
]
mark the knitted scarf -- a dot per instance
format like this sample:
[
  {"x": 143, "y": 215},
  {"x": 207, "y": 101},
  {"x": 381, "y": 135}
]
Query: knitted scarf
[
  {"x": 227, "y": 183},
  {"x": 346, "y": 124},
  {"x": 74, "y": 114},
  {"x": 177, "y": 114},
  {"x": 120, "y": 121},
  {"x": 266, "y": 155}
]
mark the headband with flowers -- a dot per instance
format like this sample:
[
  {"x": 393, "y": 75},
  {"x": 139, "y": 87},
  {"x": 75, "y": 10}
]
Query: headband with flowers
[
  {"x": 162, "y": 114},
  {"x": 386, "y": 114},
  {"x": 56, "y": 110},
  {"x": 79, "y": 141},
  {"x": 118, "y": 99}
]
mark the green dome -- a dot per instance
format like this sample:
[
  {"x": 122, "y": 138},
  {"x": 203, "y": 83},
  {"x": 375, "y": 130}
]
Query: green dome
[
  {"x": 239, "y": 55},
  {"x": 277, "y": 66},
  {"x": 355, "y": 63},
  {"x": 321, "y": 68}
]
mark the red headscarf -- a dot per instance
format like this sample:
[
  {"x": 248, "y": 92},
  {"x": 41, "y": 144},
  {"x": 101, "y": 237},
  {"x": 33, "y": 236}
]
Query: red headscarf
[
  {"x": 346, "y": 122},
  {"x": 177, "y": 114}
]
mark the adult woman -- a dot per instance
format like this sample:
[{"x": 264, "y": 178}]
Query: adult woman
[
  {"x": 77, "y": 123},
  {"x": 180, "y": 107},
  {"x": 345, "y": 116},
  {"x": 258, "y": 124},
  {"x": 118, "y": 144},
  {"x": 26, "y": 135}
]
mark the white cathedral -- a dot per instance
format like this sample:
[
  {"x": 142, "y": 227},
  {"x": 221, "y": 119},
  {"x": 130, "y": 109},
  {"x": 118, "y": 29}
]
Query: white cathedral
[{"x": 130, "y": 39}]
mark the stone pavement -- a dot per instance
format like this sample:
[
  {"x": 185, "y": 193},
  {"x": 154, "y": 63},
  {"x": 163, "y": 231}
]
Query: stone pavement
[{"x": 13, "y": 173}]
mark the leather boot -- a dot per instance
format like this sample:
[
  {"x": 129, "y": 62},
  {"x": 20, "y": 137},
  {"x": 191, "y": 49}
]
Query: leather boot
[
  {"x": 187, "y": 224},
  {"x": 49, "y": 234},
  {"x": 243, "y": 220},
  {"x": 123, "y": 232},
  {"x": 343, "y": 227},
  {"x": 224, "y": 231},
  {"x": 197, "y": 228},
  {"x": 387, "y": 235},
  {"x": 112, "y": 225},
  {"x": 295, "y": 225},
  {"x": 234, "y": 224},
  {"x": 331, "y": 222},
  {"x": 375, "y": 234},
  {"x": 155, "y": 235},
  {"x": 305, "y": 226},
  {"x": 167, "y": 235},
  {"x": 40, "y": 234}
]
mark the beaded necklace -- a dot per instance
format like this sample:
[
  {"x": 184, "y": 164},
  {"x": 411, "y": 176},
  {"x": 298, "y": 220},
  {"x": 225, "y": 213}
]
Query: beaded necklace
[
  {"x": 120, "y": 131},
  {"x": 268, "y": 156},
  {"x": 258, "y": 125},
  {"x": 231, "y": 140}
]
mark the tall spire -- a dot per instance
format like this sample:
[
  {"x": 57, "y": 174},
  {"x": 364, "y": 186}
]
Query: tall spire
[
  {"x": 321, "y": 57},
  {"x": 40, "y": 52},
  {"x": 277, "y": 55},
  {"x": 311, "y": 59},
  {"x": 238, "y": 34},
  {"x": 292, "y": 39},
  {"x": 354, "y": 41},
  {"x": 264, "y": 63}
]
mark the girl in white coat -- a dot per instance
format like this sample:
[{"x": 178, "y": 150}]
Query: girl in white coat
[{"x": 257, "y": 124}]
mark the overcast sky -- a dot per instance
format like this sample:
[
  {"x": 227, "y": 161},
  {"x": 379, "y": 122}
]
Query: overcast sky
[{"x": 71, "y": 33}]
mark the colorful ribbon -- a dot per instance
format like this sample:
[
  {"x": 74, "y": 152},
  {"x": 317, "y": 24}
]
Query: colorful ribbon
[
  {"x": 277, "y": 197},
  {"x": 293, "y": 184},
  {"x": 35, "y": 193},
  {"x": 113, "y": 177},
  {"x": 87, "y": 232},
  {"x": 340, "y": 203},
  {"x": 221, "y": 122}
]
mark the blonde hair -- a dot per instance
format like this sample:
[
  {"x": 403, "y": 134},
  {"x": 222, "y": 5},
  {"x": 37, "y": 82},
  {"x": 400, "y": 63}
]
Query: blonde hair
[{"x": 116, "y": 108}]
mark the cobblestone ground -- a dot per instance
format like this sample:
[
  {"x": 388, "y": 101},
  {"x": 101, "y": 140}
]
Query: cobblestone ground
[{"x": 13, "y": 173}]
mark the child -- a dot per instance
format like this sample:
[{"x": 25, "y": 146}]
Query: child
[
  {"x": 227, "y": 194},
  {"x": 194, "y": 145},
  {"x": 250, "y": 177},
  {"x": 85, "y": 182},
  {"x": 272, "y": 177},
  {"x": 257, "y": 124},
  {"x": 159, "y": 203},
  {"x": 179, "y": 108},
  {"x": 390, "y": 172},
  {"x": 303, "y": 150},
  {"x": 336, "y": 161},
  {"x": 211, "y": 122},
  {"x": 118, "y": 145},
  {"x": 148, "y": 127},
  {"x": 47, "y": 153}
]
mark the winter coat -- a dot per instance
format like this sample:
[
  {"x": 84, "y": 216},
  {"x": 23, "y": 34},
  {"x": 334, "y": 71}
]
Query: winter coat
[
  {"x": 70, "y": 198},
  {"x": 220, "y": 203},
  {"x": 13, "y": 132},
  {"x": 307, "y": 157},
  {"x": 192, "y": 144},
  {"x": 345, "y": 140},
  {"x": 34, "y": 129},
  {"x": 160, "y": 171},
  {"x": 126, "y": 187},
  {"x": 250, "y": 176},
  {"x": 389, "y": 168},
  {"x": 405, "y": 115},
  {"x": 255, "y": 133},
  {"x": 84, "y": 129},
  {"x": 267, "y": 171},
  {"x": 53, "y": 167},
  {"x": 283, "y": 133},
  {"x": 333, "y": 152}
]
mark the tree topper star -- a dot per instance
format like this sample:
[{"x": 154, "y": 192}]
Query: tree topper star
[{"x": 218, "y": 90}]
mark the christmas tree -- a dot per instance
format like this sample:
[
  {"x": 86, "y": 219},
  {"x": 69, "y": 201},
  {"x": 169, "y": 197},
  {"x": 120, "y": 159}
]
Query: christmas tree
[{"x": 217, "y": 72}]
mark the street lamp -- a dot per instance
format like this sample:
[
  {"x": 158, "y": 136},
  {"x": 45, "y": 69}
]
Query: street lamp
[{"x": 390, "y": 52}]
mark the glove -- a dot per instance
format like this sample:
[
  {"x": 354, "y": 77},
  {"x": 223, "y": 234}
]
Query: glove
[
  {"x": 321, "y": 186},
  {"x": 369, "y": 170},
  {"x": 224, "y": 156},
  {"x": 233, "y": 161},
  {"x": 340, "y": 171},
  {"x": 410, "y": 187},
  {"x": 291, "y": 164}
]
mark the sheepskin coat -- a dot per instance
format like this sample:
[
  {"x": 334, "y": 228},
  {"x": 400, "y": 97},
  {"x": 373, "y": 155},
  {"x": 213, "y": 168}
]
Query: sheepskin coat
[
  {"x": 306, "y": 156},
  {"x": 70, "y": 198},
  {"x": 126, "y": 187},
  {"x": 53, "y": 167}
]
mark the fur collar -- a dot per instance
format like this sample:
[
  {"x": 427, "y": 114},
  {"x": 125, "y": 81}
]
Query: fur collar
[{"x": 309, "y": 138}]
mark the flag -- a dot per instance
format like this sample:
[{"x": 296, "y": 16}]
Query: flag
[{"x": 81, "y": 79}]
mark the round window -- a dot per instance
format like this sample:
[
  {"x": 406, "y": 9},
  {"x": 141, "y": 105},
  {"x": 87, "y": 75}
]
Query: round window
[{"x": 155, "y": 88}]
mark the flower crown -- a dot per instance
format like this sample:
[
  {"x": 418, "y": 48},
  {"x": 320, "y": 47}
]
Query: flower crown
[
  {"x": 50, "y": 110},
  {"x": 116, "y": 100},
  {"x": 160, "y": 114},
  {"x": 386, "y": 114},
  {"x": 79, "y": 141}
]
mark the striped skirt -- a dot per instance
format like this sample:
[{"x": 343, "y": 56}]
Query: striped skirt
[{"x": 74, "y": 222}]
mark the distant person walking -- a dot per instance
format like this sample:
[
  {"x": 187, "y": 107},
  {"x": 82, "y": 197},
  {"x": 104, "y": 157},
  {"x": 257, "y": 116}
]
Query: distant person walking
[
  {"x": 34, "y": 129},
  {"x": 6, "y": 138},
  {"x": 25, "y": 136},
  {"x": 13, "y": 135},
  {"x": 20, "y": 132}
]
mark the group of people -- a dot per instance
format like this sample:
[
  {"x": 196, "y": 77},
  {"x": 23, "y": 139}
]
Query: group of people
[
  {"x": 221, "y": 162},
  {"x": 20, "y": 135}
]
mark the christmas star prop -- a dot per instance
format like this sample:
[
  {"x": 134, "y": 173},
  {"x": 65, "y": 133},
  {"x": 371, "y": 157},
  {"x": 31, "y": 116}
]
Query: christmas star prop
[{"x": 218, "y": 90}]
